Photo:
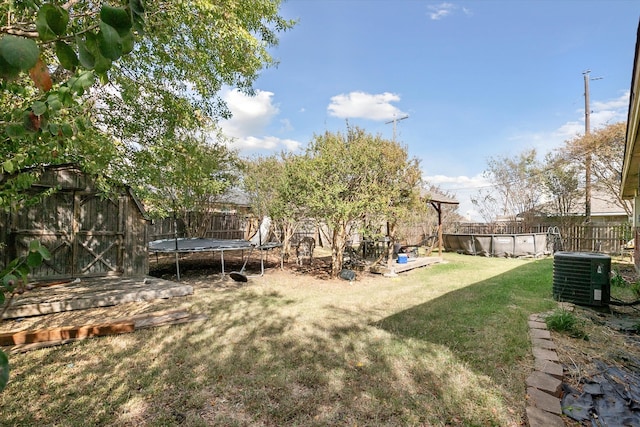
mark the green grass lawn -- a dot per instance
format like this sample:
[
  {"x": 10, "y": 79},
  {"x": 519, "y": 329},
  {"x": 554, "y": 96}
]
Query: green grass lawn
[{"x": 444, "y": 345}]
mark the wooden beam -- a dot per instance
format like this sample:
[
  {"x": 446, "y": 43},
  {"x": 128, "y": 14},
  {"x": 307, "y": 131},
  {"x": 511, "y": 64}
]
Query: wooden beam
[
  {"x": 64, "y": 333},
  {"x": 24, "y": 341}
]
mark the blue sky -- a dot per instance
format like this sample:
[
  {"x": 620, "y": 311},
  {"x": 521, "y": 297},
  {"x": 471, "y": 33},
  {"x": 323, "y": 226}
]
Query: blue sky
[{"x": 478, "y": 79}]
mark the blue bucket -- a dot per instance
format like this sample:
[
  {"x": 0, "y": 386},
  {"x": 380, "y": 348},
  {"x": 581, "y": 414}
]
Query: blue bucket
[{"x": 402, "y": 258}]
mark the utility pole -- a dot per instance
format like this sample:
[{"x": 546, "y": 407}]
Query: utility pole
[
  {"x": 587, "y": 162},
  {"x": 587, "y": 130},
  {"x": 394, "y": 121}
]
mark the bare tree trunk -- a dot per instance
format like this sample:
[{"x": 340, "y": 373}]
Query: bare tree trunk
[
  {"x": 393, "y": 226},
  {"x": 288, "y": 230},
  {"x": 337, "y": 249}
]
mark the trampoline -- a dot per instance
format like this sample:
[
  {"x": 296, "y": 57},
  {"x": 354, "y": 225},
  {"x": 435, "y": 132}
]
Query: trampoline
[{"x": 199, "y": 244}]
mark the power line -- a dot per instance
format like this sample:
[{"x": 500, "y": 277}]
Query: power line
[{"x": 394, "y": 121}]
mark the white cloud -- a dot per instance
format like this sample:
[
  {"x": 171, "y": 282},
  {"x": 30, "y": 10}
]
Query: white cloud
[
  {"x": 365, "y": 106},
  {"x": 463, "y": 188},
  {"x": 458, "y": 182},
  {"x": 609, "y": 112},
  {"x": 269, "y": 143},
  {"x": 251, "y": 116},
  {"x": 603, "y": 113},
  {"x": 442, "y": 10}
]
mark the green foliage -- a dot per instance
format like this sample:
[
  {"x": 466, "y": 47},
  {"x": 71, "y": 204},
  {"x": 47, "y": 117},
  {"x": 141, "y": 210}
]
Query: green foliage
[
  {"x": 560, "y": 178},
  {"x": 114, "y": 109},
  {"x": 617, "y": 279},
  {"x": 604, "y": 147},
  {"x": 352, "y": 179},
  {"x": 182, "y": 175},
  {"x": 17, "y": 54},
  {"x": 562, "y": 320},
  {"x": 45, "y": 115},
  {"x": 517, "y": 183},
  {"x": 270, "y": 182},
  {"x": 4, "y": 370},
  {"x": 13, "y": 280}
]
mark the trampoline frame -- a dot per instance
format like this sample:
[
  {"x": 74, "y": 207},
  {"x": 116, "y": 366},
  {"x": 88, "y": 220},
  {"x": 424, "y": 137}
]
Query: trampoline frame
[{"x": 200, "y": 244}]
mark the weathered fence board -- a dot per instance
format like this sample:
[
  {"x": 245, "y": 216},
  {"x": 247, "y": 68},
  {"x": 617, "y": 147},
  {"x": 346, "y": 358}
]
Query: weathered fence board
[
  {"x": 88, "y": 234},
  {"x": 212, "y": 225},
  {"x": 594, "y": 237}
]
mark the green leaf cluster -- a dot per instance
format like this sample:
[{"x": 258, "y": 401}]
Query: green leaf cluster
[
  {"x": 13, "y": 279},
  {"x": 46, "y": 117},
  {"x": 162, "y": 93},
  {"x": 97, "y": 44}
]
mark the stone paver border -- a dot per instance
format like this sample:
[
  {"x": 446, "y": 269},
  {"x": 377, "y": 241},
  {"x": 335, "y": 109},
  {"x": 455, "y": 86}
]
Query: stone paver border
[{"x": 544, "y": 385}]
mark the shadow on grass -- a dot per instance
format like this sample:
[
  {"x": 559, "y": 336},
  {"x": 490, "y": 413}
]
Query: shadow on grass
[
  {"x": 484, "y": 324},
  {"x": 254, "y": 362}
]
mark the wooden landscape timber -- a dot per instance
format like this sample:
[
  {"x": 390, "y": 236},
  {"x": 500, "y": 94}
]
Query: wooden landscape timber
[
  {"x": 410, "y": 265},
  {"x": 23, "y": 341},
  {"x": 91, "y": 293}
]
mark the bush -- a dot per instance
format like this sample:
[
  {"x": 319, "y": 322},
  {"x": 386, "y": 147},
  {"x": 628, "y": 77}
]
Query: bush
[
  {"x": 565, "y": 321},
  {"x": 617, "y": 279}
]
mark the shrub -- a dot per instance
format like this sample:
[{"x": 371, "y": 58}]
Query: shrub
[
  {"x": 565, "y": 321},
  {"x": 617, "y": 279}
]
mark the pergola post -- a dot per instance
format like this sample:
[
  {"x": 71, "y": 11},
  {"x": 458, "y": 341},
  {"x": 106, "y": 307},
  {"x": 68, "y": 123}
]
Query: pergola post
[{"x": 436, "y": 200}]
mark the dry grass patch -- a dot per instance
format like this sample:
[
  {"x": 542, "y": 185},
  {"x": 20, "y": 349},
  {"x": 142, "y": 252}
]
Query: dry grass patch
[{"x": 445, "y": 345}]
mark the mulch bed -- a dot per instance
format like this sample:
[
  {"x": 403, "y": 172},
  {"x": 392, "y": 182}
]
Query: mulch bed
[{"x": 602, "y": 371}]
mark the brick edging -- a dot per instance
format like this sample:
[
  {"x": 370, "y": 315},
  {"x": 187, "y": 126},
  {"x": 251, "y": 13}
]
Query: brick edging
[{"x": 544, "y": 384}]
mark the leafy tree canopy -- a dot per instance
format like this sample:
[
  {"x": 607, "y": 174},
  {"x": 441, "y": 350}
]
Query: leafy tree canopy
[
  {"x": 517, "y": 182},
  {"x": 606, "y": 147},
  {"x": 345, "y": 179},
  {"x": 114, "y": 85}
]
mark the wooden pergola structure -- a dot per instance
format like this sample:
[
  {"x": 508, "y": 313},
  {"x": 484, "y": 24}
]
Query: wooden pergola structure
[{"x": 437, "y": 200}]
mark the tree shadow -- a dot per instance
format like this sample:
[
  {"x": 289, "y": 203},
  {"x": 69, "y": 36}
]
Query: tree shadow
[
  {"x": 491, "y": 313},
  {"x": 255, "y": 361}
]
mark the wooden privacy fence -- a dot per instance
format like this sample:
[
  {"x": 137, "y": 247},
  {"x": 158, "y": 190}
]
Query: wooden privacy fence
[
  {"x": 212, "y": 225},
  {"x": 594, "y": 237}
]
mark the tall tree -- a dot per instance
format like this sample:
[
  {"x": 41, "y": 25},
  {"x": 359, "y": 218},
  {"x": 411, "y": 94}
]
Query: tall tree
[
  {"x": 487, "y": 205},
  {"x": 561, "y": 180},
  {"x": 606, "y": 147},
  {"x": 156, "y": 97},
  {"x": 50, "y": 55},
  {"x": 270, "y": 182},
  {"x": 347, "y": 177},
  {"x": 172, "y": 81},
  {"x": 517, "y": 182}
]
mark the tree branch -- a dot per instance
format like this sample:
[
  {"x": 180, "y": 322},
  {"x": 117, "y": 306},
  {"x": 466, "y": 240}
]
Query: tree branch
[{"x": 19, "y": 32}]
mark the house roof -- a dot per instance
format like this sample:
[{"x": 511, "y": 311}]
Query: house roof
[
  {"x": 234, "y": 196},
  {"x": 602, "y": 204},
  {"x": 630, "y": 184}
]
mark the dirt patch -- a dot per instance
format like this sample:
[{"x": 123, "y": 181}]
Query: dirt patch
[
  {"x": 201, "y": 267},
  {"x": 202, "y": 271}
]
